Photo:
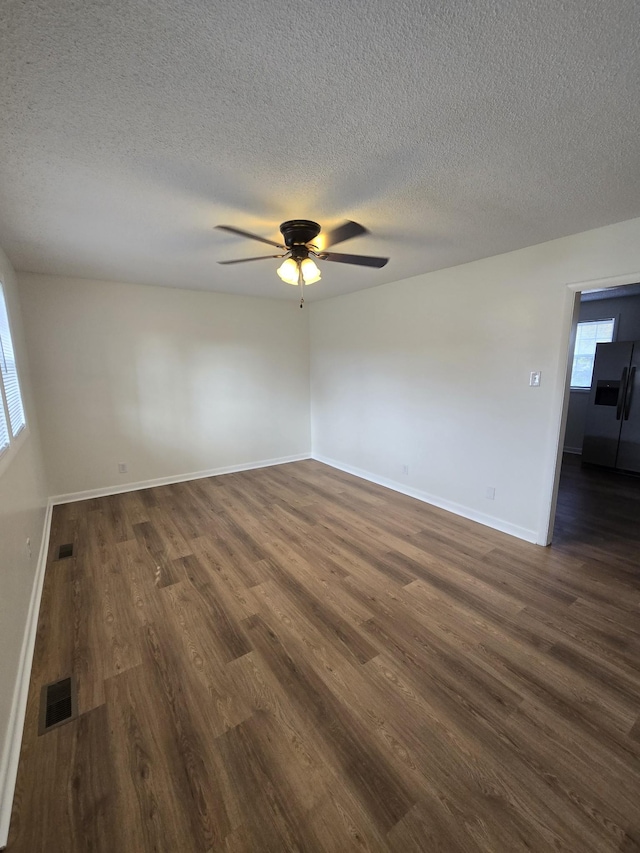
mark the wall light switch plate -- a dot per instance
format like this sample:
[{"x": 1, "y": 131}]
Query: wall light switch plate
[{"x": 534, "y": 378}]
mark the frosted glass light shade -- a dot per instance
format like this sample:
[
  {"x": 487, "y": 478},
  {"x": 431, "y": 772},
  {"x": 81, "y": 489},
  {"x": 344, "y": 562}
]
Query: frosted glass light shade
[
  {"x": 288, "y": 271},
  {"x": 310, "y": 272}
]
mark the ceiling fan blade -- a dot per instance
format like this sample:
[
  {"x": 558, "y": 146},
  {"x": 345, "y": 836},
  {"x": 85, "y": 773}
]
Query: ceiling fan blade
[
  {"x": 244, "y": 260},
  {"x": 360, "y": 260},
  {"x": 241, "y": 233},
  {"x": 343, "y": 232}
]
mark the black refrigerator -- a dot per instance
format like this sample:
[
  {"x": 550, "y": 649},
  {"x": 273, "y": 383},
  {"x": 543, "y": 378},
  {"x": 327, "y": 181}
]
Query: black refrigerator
[{"x": 612, "y": 429}]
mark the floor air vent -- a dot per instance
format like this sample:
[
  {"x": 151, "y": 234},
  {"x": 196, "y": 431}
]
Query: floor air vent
[
  {"x": 65, "y": 551},
  {"x": 58, "y": 704}
]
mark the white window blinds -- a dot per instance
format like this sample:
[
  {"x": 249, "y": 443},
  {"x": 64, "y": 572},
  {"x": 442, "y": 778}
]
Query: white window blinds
[
  {"x": 11, "y": 386},
  {"x": 4, "y": 430}
]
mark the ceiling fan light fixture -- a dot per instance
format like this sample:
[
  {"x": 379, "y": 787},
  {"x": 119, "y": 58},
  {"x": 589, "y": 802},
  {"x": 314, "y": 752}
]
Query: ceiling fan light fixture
[
  {"x": 298, "y": 235},
  {"x": 288, "y": 271},
  {"x": 310, "y": 271}
]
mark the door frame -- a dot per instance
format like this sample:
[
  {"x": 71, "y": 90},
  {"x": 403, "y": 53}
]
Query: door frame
[{"x": 571, "y": 311}]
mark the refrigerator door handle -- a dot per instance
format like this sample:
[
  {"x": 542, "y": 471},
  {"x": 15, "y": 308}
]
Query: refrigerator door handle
[
  {"x": 622, "y": 393},
  {"x": 629, "y": 394}
]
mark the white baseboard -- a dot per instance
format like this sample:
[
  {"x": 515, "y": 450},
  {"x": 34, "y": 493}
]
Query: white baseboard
[
  {"x": 450, "y": 506},
  {"x": 11, "y": 748},
  {"x": 176, "y": 478},
  {"x": 575, "y": 450}
]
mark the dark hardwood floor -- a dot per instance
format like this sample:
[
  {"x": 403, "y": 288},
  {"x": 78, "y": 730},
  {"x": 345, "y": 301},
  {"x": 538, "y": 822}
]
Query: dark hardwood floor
[
  {"x": 294, "y": 659},
  {"x": 598, "y": 512}
]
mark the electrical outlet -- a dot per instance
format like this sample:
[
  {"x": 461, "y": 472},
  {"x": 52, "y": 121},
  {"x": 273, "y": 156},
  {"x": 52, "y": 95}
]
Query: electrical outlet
[
  {"x": 490, "y": 493},
  {"x": 122, "y": 467},
  {"x": 534, "y": 378},
  {"x": 405, "y": 469}
]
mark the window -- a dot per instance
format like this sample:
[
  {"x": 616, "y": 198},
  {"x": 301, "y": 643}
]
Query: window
[
  {"x": 588, "y": 335},
  {"x": 12, "y": 418}
]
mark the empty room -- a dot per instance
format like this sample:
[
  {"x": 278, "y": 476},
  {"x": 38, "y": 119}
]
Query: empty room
[{"x": 319, "y": 493}]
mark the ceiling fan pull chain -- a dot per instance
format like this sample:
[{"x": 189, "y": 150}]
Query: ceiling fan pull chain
[{"x": 301, "y": 283}]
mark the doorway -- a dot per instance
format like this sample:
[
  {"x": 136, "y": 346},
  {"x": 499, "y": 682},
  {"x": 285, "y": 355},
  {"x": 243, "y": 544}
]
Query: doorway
[{"x": 584, "y": 497}]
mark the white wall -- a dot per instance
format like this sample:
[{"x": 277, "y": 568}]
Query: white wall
[
  {"x": 22, "y": 511},
  {"x": 168, "y": 381},
  {"x": 432, "y": 372}
]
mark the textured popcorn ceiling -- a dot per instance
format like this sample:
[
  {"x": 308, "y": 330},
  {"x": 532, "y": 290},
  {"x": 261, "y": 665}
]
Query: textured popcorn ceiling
[{"x": 452, "y": 130}]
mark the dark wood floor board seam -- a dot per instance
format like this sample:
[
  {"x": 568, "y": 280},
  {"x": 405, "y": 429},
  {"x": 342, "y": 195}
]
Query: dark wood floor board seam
[
  {"x": 489, "y": 641},
  {"x": 458, "y": 582},
  {"x": 228, "y": 632},
  {"x": 319, "y": 575},
  {"x": 596, "y": 711},
  {"x": 527, "y": 760},
  {"x": 268, "y": 696},
  {"x": 592, "y": 716},
  {"x": 615, "y": 652},
  {"x": 382, "y": 790},
  {"x": 322, "y": 614},
  {"x": 283, "y": 614}
]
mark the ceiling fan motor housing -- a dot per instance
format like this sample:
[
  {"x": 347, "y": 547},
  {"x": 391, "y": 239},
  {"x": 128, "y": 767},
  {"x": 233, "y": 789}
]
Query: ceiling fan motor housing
[{"x": 298, "y": 232}]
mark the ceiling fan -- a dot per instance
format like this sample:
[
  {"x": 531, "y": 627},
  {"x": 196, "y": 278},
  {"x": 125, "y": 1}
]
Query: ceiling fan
[{"x": 299, "y": 268}]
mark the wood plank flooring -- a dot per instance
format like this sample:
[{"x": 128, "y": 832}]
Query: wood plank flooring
[{"x": 292, "y": 659}]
